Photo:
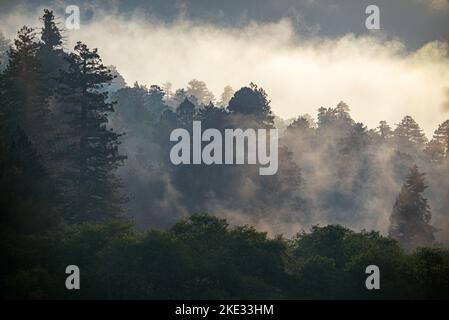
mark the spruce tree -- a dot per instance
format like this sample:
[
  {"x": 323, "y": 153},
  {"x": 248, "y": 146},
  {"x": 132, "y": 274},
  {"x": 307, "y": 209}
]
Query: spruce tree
[
  {"x": 50, "y": 53},
  {"x": 442, "y": 136},
  {"x": 252, "y": 103},
  {"x": 409, "y": 221},
  {"x": 24, "y": 80},
  {"x": 342, "y": 111},
  {"x": 408, "y": 130},
  {"x": 384, "y": 130},
  {"x": 186, "y": 112},
  {"x": 198, "y": 91},
  {"x": 97, "y": 190},
  {"x": 301, "y": 123},
  {"x": 26, "y": 190},
  {"x": 226, "y": 96},
  {"x": 51, "y": 35},
  {"x": 438, "y": 147}
]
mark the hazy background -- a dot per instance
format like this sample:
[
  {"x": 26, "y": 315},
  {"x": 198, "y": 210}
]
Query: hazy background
[
  {"x": 305, "y": 54},
  {"x": 69, "y": 167}
]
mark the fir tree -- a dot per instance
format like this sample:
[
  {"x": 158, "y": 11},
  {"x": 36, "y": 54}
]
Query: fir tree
[
  {"x": 384, "y": 130},
  {"x": 27, "y": 194},
  {"x": 186, "y": 111},
  {"x": 226, "y": 96},
  {"x": 198, "y": 91},
  {"x": 301, "y": 123},
  {"x": 252, "y": 102},
  {"x": 51, "y": 35},
  {"x": 408, "y": 130},
  {"x": 96, "y": 149},
  {"x": 411, "y": 213},
  {"x": 438, "y": 147},
  {"x": 50, "y": 53},
  {"x": 26, "y": 90}
]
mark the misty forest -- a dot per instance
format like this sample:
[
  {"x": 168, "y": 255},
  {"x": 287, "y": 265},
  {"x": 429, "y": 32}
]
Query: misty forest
[{"x": 85, "y": 179}]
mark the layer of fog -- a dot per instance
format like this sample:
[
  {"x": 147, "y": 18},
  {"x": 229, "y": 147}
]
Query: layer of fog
[{"x": 373, "y": 73}]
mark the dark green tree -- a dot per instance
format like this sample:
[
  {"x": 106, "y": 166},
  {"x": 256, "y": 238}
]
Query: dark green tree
[
  {"x": 23, "y": 81},
  {"x": 154, "y": 103},
  {"x": 409, "y": 221},
  {"x": 252, "y": 102},
  {"x": 50, "y": 53},
  {"x": 26, "y": 93},
  {"x": 384, "y": 130},
  {"x": 185, "y": 112},
  {"x": 438, "y": 147},
  {"x": 26, "y": 192},
  {"x": 51, "y": 36},
  {"x": 301, "y": 123},
  {"x": 96, "y": 152},
  {"x": 409, "y": 131}
]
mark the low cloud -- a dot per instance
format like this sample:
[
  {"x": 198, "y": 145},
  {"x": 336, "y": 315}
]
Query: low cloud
[
  {"x": 376, "y": 76},
  {"x": 446, "y": 103}
]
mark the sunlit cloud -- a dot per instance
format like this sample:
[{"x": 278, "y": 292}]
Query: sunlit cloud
[{"x": 376, "y": 77}]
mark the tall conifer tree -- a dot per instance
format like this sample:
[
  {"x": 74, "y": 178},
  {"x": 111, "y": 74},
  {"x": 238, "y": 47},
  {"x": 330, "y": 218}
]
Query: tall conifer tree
[
  {"x": 411, "y": 213},
  {"x": 96, "y": 149}
]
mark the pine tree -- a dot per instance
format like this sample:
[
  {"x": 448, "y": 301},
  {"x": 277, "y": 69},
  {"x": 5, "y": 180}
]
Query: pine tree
[
  {"x": 185, "y": 112},
  {"x": 51, "y": 35},
  {"x": 301, "y": 123},
  {"x": 442, "y": 136},
  {"x": 356, "y": 141},
  {"x": 27, "y": 195},
  {"x": 326, "y": 117},
  {"x": 154, "y": 102},
  {"x": 96, "y": 149},
  {"x": 24, "y": 80},
  {"x": 198, "y": 91},
  {"x": 384, "y": 130},
  {"x": 435, "y": 150},
  {"x": 30, "y": 80},
  {"x": 342, "y": 110},
  {"x": 408, "y": 130},
  {"x": 252, "y": 102},
  {"x": 50, "y": 52},
  {"x": 212, "y": 117},
  {"x": 226, "y": 96},
  {"x": 26, "y": 191},
  {"x": 438, "y": 147},
  {"x": 24, "y": 68},
  {"x": 409, "y": 221}
]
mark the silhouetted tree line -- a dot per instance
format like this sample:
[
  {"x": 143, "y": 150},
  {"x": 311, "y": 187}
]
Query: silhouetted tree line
[
  {"x": 333, "y": 171},
  {"x": 202, "y": 257},
  {"x": 68, "y": 124}
]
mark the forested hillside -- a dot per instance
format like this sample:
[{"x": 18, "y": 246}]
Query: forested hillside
[{"x": 85, "y": 179}]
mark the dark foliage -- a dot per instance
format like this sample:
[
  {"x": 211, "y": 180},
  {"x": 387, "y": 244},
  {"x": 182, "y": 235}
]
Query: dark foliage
[{"x": 62, "y": 200}]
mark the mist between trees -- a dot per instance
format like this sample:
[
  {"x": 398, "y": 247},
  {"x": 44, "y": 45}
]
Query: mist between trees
[
  {"x": 331, "y": 170},
  {"x": 81, "y": 151}
]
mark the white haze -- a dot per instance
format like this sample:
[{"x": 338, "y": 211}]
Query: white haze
[{"x": 378, "y": 78}]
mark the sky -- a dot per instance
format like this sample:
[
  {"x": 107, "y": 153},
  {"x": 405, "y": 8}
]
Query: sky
[{"x": 305, "y": 54}]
